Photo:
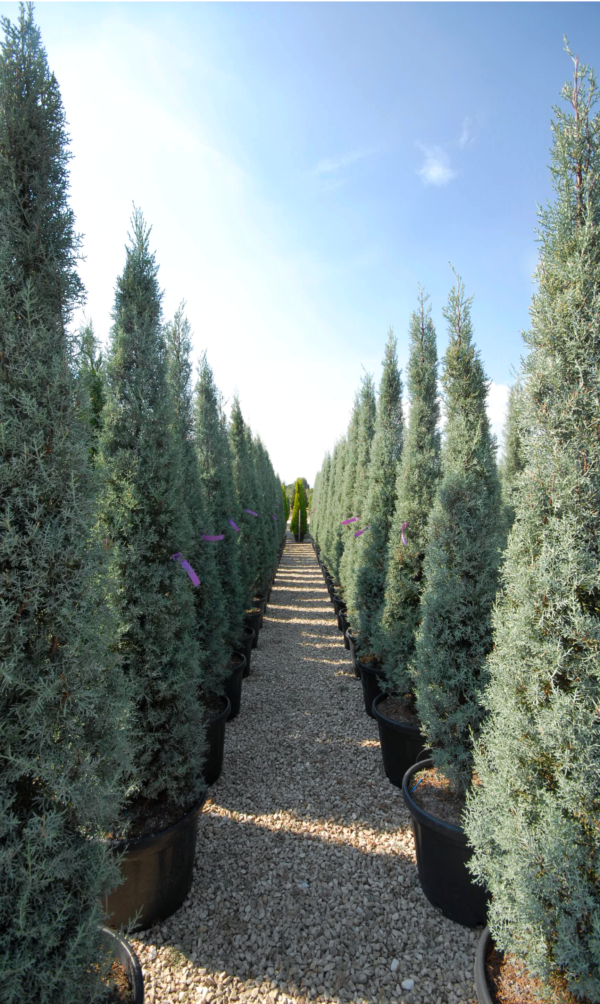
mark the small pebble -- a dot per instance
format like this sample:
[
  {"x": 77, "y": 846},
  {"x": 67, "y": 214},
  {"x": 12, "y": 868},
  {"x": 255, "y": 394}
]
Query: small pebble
[{"x": 407, "y": 984}]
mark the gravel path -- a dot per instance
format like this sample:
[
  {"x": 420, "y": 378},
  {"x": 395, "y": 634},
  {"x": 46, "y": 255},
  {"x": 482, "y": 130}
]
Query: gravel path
[{"x": 305, "y": 885}]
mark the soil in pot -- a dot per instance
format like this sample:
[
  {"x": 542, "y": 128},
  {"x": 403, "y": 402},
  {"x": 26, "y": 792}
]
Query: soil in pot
[
  {"x": 371, "y": 675},
  {"x": 509, "y": 982},
  {"x": 124, "y": 978},
  {"x": 441, "y": 846},
  {"x": 218, "y": 710},
  {"x": 399, "y": 736},
  {"x": 233, "y": 683}
]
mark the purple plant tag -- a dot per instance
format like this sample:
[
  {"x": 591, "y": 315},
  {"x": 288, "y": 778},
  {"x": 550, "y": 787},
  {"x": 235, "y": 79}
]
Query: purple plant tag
[
  {"x": 251, "y": 512},
  {"x": 187, "y": 568},
  {"x": 273, "y": 517},
  {"x": 206, "y": 536},
  {"x": 352, "y": 519},
  {"x": 404, "y": 540},
  {"x": 364, "y": 530},
  {"x": 236, "y": 528}
]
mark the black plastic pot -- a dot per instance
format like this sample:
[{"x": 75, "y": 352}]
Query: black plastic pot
[
  {"x": 233, "y": 684},
  {"x": 370, "y": 677},
  {"x": 121, "y": 950},
  {"x": 352, "y": 647},
  {"x": 157, "y": 873},
  {"x": 481, "y": 984},
  {"x": 343, "y": 626},
  {"x": 338, "y": 603},
  {"x": 246, "y": 646},
  {"x": 401, "y": 744},
  {"x": 341, "y": 617},
  {"x": 254, "y": 620},
  {"x": 442, "y": 856},
  {"x": 215, "y": 737}
]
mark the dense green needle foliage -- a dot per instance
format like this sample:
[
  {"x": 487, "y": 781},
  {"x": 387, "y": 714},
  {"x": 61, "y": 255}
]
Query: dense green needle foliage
[
  {"x": 416, "y": 485},
  {"x": 286, "y": 504},
  {"x": 64, "y": 700},
  {"x": 533, "y": 820},
  {"x": 461, "y": 561},
  {"x": 90, "y": 368},
  {"x": 210, "y": 601},
  {"x": 513, "y": 461},
  {"x": 146, "y": 521},
  {"x": 356, "y": 485},
  {"x": 366, "y": 596},
  {"x": 213, "y": 450},
  {"x": 298, "y": 524}
]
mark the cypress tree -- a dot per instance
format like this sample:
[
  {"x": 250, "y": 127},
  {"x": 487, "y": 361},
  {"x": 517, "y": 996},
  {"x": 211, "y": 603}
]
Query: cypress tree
[
  {"x": 299, "y": 522},
  {"x": 90, "y": 368},
  {"x": 63, "y": 734},
  {"x": 146, "y": 522},
  {"x": 356, "y": 479},
  {"x": 334, "y": 539},
  {"x": 245, "y": 488},
  {"x": 416, "y": 484},
  {"x": 210, "y": 602},
  {"x": 533, "y": 819},
  {"x": 215, "y": 460},
  {"x": 461, "y": 560},
  {"x": 365, "y": 599},
  {"x": 513, "y": 461},
  {"x": 286, "y": 504}
]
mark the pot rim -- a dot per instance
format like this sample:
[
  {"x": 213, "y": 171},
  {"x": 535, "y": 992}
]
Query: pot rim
[
  {"x": 412, "y": 730},
  {"x": 242, "y": 657},
  {"x": 372, "y": 670},
  {"x": 222, "y": 714},
  {"x": 351, "y": 637},
  {"x": 481, "y": 984},
  {"x": 133, "y": 843},
  {"x": 250, "y": 632},
  {"x": 125, "y": 954},
  {"x": 449, "y": 830}
]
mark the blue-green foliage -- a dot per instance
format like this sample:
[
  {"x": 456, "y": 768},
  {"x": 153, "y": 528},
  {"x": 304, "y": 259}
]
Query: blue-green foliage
[
  {"x": 465, "y": 535},
  {"x": 416, "y": 484},
  {"x": 533, "y": 819},
  {"x": 63, "y": 705},
  {"x": 356, "y": 484}
]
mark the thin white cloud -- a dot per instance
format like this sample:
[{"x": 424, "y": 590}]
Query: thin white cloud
[
  {"x": 331, "y": 165},
  {"x": 436, "y": 169},
  {"x": 466, "y": 137}
]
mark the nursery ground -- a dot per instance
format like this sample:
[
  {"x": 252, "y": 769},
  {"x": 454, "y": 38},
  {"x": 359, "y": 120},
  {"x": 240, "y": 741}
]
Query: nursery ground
[{"x": 305, "y": 885}]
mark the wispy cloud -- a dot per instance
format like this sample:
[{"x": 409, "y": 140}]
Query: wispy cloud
[
  {"x": 466, "y": 137},
  {"x": 331, "y": 165},
  {"x": 436, "y": 169}
]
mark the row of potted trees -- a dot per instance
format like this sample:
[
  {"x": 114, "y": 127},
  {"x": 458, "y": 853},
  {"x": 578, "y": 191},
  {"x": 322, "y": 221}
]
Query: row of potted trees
[
  {"x": 142, "y": 529},
  {"x": 470, "y": 601}
]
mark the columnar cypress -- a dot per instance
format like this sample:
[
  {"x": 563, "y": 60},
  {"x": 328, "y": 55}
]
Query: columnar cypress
[
  {"x": 213, "y": 450},
  {"x": 90, "y": 368},
  {"x": 146, "y": 521},
  {"x": 513, "y": 460},
  {"x": 245, "y": 492},
  {"x": 334, "y": 539},
  {"x": 355, "y": 492},
  {"x": 416, "y": 484},
  {"x": 533, "y": 819},
  {"x": 285, "y": 502},
  {"x": 461, "y": 561},
  {"x": 210, "y": 602},
  {"x": 63, "y": 736},
  {"x": 365, "y": 598},
  {"x": 299, "y": 523}
]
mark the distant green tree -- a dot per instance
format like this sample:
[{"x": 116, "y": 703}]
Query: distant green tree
[
  {"x": 533, "y": 818},
  {"x": 416, "y": 485},
  {"x": 64, "y": 701},
  {"x": 213, "y": 449},
  {"x": 210, "y": 601},
  {"x": 286, "y": 504},
  {"x": 333, "y": 537},
  {"x": 90, "y": 368},
  {"x": 465, "y": 534},
  {"x": 298, "y": 524},
  {"x": 366, "y": 596},
  {"x": 146, "y": 521},
  {"x": 245, "y": 487}
]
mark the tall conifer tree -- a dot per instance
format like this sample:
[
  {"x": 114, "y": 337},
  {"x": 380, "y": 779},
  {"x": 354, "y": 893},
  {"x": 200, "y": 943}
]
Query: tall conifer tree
[
  {"x": 365, "y": 599},
  {"x": 63, "y": 737},
  {"x": 355, "y": 492},
  {"x": 213, "y": 450},
  {"x": 461, "y": 561},
  {"x": 416, "y": 484},
  {"x": 245, "y": 487},
  {"x": 513, "y": 461},
  {"x": 211, "y": 615},
  {"x": 146, "y": 522},
  {"x": 533, "y": 819}
]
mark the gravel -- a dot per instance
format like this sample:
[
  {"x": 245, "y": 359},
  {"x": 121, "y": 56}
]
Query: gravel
[{"x": 305, "y": 883}]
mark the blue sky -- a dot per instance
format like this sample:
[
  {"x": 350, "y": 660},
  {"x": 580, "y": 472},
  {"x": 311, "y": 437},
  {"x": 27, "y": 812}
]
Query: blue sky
[{"x": 304, "y": 167}]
